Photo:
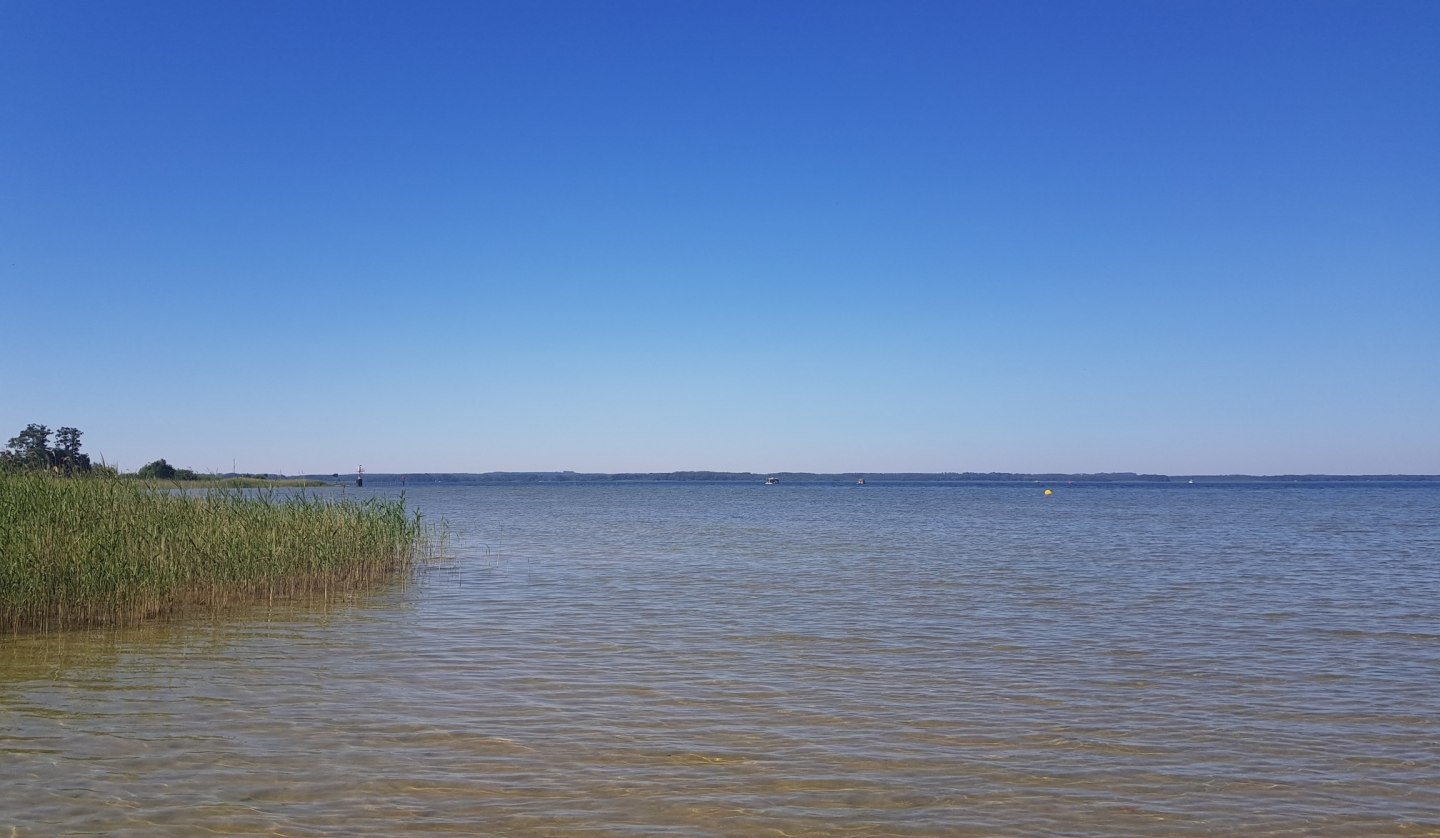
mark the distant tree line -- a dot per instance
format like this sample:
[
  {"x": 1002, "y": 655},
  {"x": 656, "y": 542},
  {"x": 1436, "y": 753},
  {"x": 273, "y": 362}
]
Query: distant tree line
[
  {"x": 161, "y": 470},
  {"x": 32, "y": 450}
]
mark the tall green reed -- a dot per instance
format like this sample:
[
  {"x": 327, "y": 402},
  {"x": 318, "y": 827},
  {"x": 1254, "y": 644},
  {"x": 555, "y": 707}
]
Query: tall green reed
[{"x": 76, "y": 551}]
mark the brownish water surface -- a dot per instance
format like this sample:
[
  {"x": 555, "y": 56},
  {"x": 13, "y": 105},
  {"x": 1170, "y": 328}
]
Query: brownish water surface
[{"x": 786, "y": 660}]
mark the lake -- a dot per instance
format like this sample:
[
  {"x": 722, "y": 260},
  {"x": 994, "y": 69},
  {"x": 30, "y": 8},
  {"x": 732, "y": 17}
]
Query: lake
[{"x": 790, "y": 660}]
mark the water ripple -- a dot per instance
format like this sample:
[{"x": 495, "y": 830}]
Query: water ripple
[{"x": 738, "y": 660}]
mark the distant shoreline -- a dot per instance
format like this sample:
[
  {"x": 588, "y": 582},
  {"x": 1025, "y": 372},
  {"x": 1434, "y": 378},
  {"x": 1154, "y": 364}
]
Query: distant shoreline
[
  {"x": 528, "y": 477},
  {"x": 233, "y": 482}
]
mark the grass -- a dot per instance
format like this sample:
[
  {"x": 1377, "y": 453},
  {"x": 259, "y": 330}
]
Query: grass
[{"x": 82, "y": 551}]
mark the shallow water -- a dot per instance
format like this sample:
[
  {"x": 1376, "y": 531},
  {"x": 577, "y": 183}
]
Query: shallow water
[{"x": 786, "y": 660}]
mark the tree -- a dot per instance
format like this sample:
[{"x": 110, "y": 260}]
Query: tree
[
  {"x": 29, "y": 450},
  {"x": 66, "y": 454},
  {"x": 159, "y": 469}
]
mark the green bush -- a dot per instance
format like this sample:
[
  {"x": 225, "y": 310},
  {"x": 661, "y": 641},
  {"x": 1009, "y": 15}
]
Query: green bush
[{"x": 157, "y": 470}]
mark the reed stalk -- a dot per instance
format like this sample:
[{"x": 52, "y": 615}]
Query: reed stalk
[{"x": 80, "y": 551}]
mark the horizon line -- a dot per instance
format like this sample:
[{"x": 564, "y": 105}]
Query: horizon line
[{"x": 1020, "y": 474}]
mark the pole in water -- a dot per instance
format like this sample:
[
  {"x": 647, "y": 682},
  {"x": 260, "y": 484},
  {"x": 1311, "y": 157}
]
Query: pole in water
[{"x": 359, "y": 476}]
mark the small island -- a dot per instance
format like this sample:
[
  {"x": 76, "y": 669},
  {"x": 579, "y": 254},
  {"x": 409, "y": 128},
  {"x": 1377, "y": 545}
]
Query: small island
[{"x": 160, "y": 471}]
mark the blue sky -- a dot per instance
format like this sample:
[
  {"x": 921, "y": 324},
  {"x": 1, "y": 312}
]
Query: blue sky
[{"x": 632, "y": 236}]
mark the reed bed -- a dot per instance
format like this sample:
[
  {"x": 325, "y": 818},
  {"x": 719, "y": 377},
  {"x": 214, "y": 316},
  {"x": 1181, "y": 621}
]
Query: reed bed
[{"x": 78, "y": 551}]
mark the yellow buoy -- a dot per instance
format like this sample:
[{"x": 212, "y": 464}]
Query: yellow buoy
[{"x": 1048, "y": 492}]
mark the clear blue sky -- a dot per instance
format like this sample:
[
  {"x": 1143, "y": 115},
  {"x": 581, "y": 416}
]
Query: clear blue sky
[{"x": 1020, "y": 236}]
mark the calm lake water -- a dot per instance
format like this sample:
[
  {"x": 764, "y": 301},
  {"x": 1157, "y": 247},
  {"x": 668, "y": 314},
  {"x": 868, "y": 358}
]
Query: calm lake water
[{"x": 788, "y": 660}]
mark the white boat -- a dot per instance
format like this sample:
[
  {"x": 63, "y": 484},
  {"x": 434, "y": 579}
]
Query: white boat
[{"x": 771, "y": 481}]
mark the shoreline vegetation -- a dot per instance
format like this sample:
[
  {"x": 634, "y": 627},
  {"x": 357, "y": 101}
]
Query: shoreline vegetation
[
  {"x": 88, "y": 550},
  {"x": 224, "y": 482},
  {"x": 33, "y": 450}
]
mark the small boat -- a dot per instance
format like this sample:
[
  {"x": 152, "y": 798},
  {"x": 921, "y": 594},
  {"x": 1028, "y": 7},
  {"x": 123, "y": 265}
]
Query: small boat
[
  {"x": 771, "y": 481},
  {"x": 860, "y": 482}
]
